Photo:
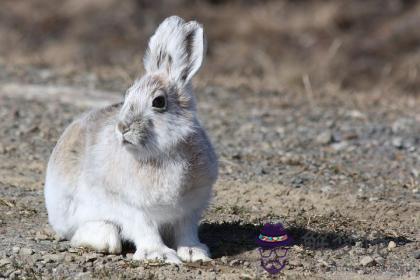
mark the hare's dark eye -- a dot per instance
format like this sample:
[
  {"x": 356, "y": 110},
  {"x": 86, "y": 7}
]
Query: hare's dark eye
[{"x": 159, "y": 102}]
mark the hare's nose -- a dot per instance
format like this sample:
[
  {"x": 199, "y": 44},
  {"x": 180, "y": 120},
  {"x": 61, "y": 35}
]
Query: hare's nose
[{"x": 123, "y": 128}]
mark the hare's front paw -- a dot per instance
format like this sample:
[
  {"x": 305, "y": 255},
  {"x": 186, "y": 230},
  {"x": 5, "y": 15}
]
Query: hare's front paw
[
  {"x": 101, "y": 236},
  {"x": 194, "y": 253},
  {"x": 161, "y": 254}
]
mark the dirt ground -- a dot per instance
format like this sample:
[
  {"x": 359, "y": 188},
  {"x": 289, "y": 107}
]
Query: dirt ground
[{"x": 313, "y": 108}]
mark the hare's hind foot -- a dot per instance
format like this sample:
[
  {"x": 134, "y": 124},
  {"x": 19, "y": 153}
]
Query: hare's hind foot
[
  {"x": 100, "y": 236},
  {"x": 162, "y": 253},
  {"x": 199, "y": 252}
]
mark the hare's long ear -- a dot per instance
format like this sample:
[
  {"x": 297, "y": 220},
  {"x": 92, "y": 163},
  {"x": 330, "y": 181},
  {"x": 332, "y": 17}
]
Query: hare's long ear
[{"x": 177, "y": 48}]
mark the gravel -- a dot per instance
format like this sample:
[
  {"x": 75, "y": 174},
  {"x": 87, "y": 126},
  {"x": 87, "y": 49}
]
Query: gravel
[
  {"x": 325, "y": 137},
  {"x": 367, "y": 260},
  {"x": 391, "y": 245},
  {"x": 345, "y": 201},
  {"x": 26, "y": 251}
]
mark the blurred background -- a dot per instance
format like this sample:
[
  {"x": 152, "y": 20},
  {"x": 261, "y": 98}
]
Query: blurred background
[{"x": 360, "y": 45}]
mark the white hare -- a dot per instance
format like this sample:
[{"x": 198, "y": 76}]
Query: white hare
[{"x": 141, "y": 170}]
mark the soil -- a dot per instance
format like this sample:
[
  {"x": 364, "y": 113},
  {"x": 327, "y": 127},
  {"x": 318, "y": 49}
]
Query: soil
[{"x": 312, "y": 106}]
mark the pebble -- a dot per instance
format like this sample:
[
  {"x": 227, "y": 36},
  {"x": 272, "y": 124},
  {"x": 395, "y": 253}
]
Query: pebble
[
  {"x": 54, "y": 258},
  {"x": 90, "y": 257},
  {"x": 324, "y": 138},
  {"x": 26, "y": 251},
  {"x": 379, "y": 260},
  {"x": 326, "y": 189},
  {"x": 15, "y": 273},
  {"x": 5, "y": 261},
  {"x": 297, "y": 248},
  {"x": 397, "y": 142},
  {"x": 417, "y": 255},
  {"x": 339, "y": 146},
  {"x": 234, "y": 262},
  {"x": 367, "y": 260},
  {"x": 15, "y": 249},
  {"x": 323, "y": 263},
  {"x": 298, "y": 182},
  {"x": 356, "y": 114},
  {"x": 129, "y": 256},
  {"x": 246, "y": 276},
  {"x": 72, "y": 250},
  {"x": 391, "y": 245},
  {"x": 224, "y": 260},
  {"x": 41, "y": 236}
]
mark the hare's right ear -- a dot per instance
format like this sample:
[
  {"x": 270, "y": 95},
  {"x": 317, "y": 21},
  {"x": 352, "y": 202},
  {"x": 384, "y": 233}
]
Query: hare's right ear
[{"x": 177, "y": 48}]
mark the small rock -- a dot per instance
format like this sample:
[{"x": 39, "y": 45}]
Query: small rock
[
  {"x": 299, "y": 182},
  {"x": 113, "y": 258},
  {"x": 15, "y": 250},
  {"x": 15, "y": 273},
  {"x": 398, "y": 142},
  {"x": 7, "y": 273},
  {"x": 58, "y": 238},
  {"x": 61, "y": 248},
  {"x": 324, "y": 138},
  {"x": 26, "y": 251},
  {"x": 246, "y": 276},
  {"x": 379, "y": 260},
  {"x": 224, "y": 260},
  {"x": 41, "y": 236},
  {"x": 340, "y": 146},
  {"x": 5, "y": 261},
  {"x": 54, "y": 258},
  {"x": 367, "y": 261},
  {"x": 129, "y": 256},
  {"x": 90, "y": 257},
  {"x": 391, "y": 245},
  {"x": 40, "y": 264},
  {"x": 326, "y": 189},
  {"x": 323, "y": 263},
  {"x": 37, "y": 257},
  {"x": 417, "y": 255},
  {"x": 72, "y": 250},
  {"x": 356, "y": 114},
  {"x": 234, "y": 262},
  {"x": 247, "y": 264},
  {"x": 297, "y": 248}
]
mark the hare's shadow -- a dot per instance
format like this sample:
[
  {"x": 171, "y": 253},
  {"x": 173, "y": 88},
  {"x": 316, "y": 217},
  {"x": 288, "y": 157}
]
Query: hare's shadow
[
  {"x": 229, "y": 239},
  {"x": 233, "y": 238}
]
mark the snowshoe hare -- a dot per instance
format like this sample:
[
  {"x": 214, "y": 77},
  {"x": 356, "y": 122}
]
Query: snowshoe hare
[{"x": 141, "y": 170}]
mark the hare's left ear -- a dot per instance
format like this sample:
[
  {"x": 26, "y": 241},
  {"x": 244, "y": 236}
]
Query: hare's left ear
[{"x": 177, "y": 48}]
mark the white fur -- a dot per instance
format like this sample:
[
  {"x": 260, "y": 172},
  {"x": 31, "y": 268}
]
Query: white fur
[
  {"x": 99, "y": 235},
  {"x": 169, "y": 40},
  {"x": 99, "y": 191}
]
